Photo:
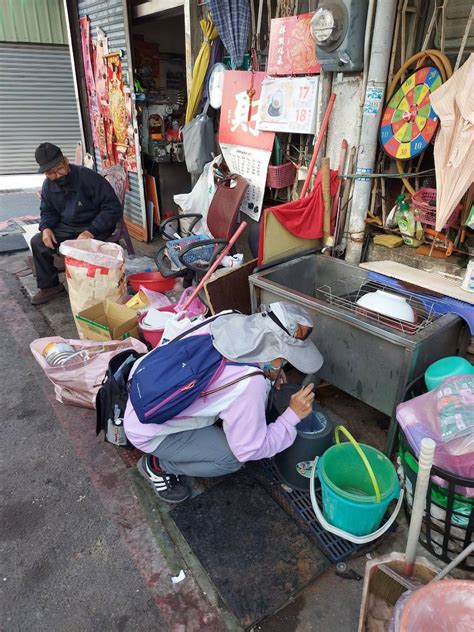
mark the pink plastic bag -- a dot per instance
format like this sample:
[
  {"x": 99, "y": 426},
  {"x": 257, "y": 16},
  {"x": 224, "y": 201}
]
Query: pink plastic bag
[
  {"x": 422, "y": 417},
  {"x": 77, "y": 382}
]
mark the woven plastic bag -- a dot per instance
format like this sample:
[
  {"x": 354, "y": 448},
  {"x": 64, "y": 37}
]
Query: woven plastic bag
[
  {"x": 95, "y": 271},
  {"x": 77, "y": 382}
]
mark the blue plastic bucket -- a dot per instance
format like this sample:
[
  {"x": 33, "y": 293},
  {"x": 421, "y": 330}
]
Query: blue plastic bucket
[{"x": 358, "y": 483}]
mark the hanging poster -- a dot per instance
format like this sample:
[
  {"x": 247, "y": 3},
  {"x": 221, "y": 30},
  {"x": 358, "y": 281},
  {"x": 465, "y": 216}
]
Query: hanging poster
[
  {"x": 109, "y": 101},
  {"x": 288, "y": 105},
  {"x": 251, "y": 164},
  {"x": 131, "y": 164},
  {"x": 86, "y": 45},
  {"x": 100, "y": 72},
  {"x": 292, "y": 48},
  {"x": 239, "y": 111}
]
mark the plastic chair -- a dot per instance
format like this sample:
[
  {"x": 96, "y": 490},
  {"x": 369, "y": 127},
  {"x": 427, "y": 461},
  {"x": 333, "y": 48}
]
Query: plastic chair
[
  {"x": 116, "y": 176},
  {"x": 221, "y": 221}
]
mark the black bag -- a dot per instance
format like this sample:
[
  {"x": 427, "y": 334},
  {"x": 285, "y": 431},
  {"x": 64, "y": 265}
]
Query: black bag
[{"x": 112, "y": 398}]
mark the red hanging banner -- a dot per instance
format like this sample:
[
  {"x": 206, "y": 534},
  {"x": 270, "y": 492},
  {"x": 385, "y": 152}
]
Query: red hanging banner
[{"x": 292, "y": 49}]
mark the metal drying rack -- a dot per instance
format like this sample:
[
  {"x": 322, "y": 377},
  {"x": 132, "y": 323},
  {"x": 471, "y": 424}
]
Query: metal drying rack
[{"x": 345, "y": 293}]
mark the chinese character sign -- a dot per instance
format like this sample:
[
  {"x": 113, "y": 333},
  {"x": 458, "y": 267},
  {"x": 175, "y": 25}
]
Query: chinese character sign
[
  {"x": 288, "y": 104},
  {"x": 239, "y": 111},
  {"x": 292, "y": 49}
]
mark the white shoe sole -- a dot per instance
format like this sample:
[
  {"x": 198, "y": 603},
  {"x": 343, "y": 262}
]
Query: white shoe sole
[{"x": 143, "y": 473}]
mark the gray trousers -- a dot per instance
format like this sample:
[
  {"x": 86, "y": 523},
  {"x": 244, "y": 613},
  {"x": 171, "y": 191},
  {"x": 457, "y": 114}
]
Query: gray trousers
[{"x": 203, "y": 452}]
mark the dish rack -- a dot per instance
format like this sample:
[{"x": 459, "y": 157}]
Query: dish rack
[{"x": 345, "y": 293}]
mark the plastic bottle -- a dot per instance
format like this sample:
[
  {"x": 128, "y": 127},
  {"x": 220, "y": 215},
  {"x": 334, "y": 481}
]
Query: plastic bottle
[
  {"x": 468, "y": 282},
  {"x": 392, "y": 219},
  {"x": 410, "y": 229}
]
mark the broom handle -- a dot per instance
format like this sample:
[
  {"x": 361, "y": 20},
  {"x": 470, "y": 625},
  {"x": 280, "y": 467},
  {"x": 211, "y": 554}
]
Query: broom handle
[
  {"x": 425, "y": 462},
  {"x": 319, "y": 142},
  {"x": 457, "y": 560},
  {"x": 216, "y": 263}
]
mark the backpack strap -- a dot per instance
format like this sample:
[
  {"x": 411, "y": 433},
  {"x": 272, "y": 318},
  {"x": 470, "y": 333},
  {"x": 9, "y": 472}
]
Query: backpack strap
[
  {"x": 203, "y": 324},
  {"x": 239, "y": 379}
]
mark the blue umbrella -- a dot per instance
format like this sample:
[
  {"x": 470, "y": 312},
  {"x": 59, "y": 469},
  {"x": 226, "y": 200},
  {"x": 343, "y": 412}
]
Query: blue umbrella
[{"x": 231, "y": 18}]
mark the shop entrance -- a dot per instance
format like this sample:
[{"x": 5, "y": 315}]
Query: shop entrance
[{"x": 158, "y": 44}]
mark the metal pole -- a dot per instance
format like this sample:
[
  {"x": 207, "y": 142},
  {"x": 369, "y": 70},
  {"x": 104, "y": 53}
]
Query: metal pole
[{"x": 374, "y": 97}]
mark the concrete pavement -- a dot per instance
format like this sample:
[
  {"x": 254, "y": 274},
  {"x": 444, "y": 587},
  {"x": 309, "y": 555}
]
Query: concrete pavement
[{"x": 77, "y": 552}]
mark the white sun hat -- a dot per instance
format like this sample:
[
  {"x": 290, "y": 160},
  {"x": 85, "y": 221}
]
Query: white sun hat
[{"x": 268, "y": 335}]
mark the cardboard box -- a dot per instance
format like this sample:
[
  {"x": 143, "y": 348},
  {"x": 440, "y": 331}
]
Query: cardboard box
[{"x": 108, "y": 321}]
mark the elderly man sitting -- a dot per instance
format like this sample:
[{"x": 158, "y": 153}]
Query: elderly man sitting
[{"x": 76, "y": 203}]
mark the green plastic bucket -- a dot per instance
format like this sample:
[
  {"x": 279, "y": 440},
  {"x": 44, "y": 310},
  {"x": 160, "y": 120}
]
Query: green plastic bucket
[{"x": 358, "y": 483}]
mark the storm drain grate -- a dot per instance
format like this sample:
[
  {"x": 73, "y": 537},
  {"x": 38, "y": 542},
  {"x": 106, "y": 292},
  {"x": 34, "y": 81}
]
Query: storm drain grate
[{"x": 298, "y": 505}]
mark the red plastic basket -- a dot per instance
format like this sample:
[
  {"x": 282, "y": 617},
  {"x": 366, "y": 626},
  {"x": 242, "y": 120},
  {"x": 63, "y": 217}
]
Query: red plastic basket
[
  {"x": 424, "y": 203},
  {"x": 281, "y": 176}
]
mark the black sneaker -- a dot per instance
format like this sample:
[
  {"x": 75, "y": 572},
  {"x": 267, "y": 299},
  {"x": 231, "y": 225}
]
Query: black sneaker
[{"x": 167, "y": 487}]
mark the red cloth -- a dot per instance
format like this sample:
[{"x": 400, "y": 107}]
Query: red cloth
[{"x": 304, "y": 217}]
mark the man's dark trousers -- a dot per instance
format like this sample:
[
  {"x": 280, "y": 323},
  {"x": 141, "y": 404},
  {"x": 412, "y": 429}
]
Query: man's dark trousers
[{"x": 43, "y": 257}]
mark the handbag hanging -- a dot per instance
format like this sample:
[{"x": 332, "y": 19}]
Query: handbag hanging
[{"x": 199, "y": 142}]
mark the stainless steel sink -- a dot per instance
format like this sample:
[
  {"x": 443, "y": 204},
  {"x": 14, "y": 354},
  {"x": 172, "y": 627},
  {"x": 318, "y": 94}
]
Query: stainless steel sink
[{"x": 370, "y": 358}]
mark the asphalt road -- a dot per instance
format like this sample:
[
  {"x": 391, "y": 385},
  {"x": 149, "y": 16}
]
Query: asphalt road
[
  {"x": 18, "y": 203},
  {"x": 63, "y": 563}
]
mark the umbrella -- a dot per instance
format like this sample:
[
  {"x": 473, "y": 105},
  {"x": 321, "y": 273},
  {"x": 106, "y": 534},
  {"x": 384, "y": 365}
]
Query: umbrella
[
  {"x": 231, "y": 18},
  {"x": 200, "y": 67},
  {"x": 453, "y": 102},
  {"x": 217, "y": 53}
]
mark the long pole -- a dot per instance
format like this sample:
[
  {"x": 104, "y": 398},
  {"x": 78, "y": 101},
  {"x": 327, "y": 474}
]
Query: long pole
[
  {"x": 372, "y": 111},
  {"x": 214, "y": 266},
  {"x": 319, "y": 141}
]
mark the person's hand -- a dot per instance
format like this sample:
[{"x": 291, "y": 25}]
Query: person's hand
[
  {"x": 281, "y": 379},
  {"x": 49, "y": 239},
  {"x": 301, "y": 403},
  {"x": 85, "y": 235}
]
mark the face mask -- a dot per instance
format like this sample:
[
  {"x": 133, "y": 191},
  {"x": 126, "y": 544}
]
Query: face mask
[
  {"x": 63, "y": 182},
  {"x": 268, "y": 366}
]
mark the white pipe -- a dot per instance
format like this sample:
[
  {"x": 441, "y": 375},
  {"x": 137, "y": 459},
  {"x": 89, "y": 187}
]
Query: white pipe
[
  {"x": 425, "y": 461},
  {"x": 374, "y": 98},
  {"x": 368, "y": 34}
]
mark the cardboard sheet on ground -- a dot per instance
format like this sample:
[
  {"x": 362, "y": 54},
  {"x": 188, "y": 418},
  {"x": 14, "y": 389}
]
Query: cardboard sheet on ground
[
  {"x": 430, "y": 281},
  {"x": 254, "y": 553},
  {"x": 14, "y": 242}
]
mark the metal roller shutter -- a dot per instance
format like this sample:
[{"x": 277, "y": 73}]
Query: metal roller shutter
[
  {"x": 37, "y": 103},
  {"x": 110, "y": 16}
]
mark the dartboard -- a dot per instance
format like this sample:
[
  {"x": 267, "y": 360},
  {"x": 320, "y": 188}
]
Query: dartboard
[{"x": 409, "y": 122}]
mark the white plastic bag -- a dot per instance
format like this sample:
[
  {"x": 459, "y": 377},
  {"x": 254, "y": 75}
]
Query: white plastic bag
[
  {"x": 95, "y": 271},
  {"x": 200, "y": 198},
  {"x": 77, "y": 382},
  {"x": 177, "y": 326}
]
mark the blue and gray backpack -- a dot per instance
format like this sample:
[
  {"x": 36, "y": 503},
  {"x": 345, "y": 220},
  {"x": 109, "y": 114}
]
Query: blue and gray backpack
[{"x": 170, "y": 378}]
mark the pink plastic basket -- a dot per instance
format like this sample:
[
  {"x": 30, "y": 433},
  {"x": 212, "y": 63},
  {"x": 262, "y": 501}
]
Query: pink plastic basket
[
  {"x": 424, "y": 203},
  {"x": 281, "y": 176}
]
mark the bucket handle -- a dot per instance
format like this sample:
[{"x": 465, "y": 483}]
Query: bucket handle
[
  {"x": 356, "y": 539},
  {"x": 362, "y": 456}
]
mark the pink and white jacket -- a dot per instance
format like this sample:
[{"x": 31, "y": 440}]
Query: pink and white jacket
[{"x": 241, "y": 407}]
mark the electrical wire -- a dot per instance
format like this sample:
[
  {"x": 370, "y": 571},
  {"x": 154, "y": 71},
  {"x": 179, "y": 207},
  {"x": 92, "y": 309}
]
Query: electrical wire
[{"x": 358, "y": 176}]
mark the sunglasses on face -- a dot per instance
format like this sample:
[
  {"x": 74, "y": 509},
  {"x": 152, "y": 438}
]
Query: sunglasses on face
[
  {"x": 302, "y": 332},
  {"x": 57, "y": 170}
]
